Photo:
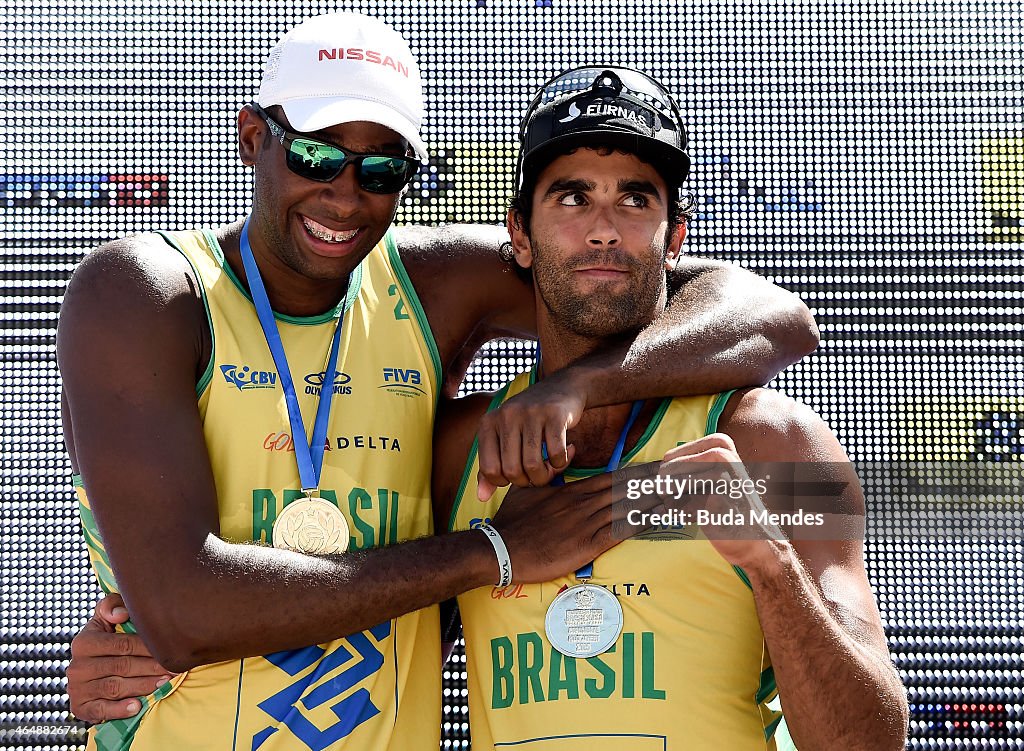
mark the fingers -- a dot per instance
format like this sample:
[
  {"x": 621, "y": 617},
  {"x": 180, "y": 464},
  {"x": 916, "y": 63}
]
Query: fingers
[
  {"x": 709, "y": 448},
  {"x": 555, "y": 444},
  {"x": 500, "y": 458},
  {"x": 517, "y": 456},
  {"x": 109, "y": 670},
  {"x": 120, "y": 667},
  {"x": 115, "y": 688},
  {"x": 111, "y": 609},
  {"x": 100, "y": 710},
  {"x": 512, "y": 438},
  {"x": 633, "y": 506},
  {"x": 97, "y": 639},
  {"x": 592, "y": 487},
  {"x": 512, "y": 455},
  {"x": 544, "y": 451},
  {"x": 484, "y": 487},
  {"x": 107, "y": 688},
  {"x": 551, "y": 531},
  {"x": 489, "y": 449}
]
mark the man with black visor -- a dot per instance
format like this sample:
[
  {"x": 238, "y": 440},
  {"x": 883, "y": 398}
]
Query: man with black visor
[
  {"x": 699, "y": 634},
  {"x": 274, "y": 382}
]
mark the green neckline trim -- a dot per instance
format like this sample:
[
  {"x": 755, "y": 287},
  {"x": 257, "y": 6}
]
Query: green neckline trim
[
  {"x": 214, "y": 243},
  {"x": 715, "y": 413},
  {"x": 76, "y": 480},
  {"x": 659, "y": 414},
  {"x": 207, "y": 376},
  {"x": 499, "y": 397},
  {"x": 578, "y": 473},
  {"x": 343, "y": 306},
  {"x": 417, "y": 308}
]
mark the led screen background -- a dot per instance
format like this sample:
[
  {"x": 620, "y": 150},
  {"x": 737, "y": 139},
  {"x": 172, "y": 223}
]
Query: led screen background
[{"x": 867, "y": 155}]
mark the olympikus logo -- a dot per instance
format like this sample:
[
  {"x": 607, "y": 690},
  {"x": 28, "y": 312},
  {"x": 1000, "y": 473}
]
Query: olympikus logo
[{"x": 370, "y": 56}]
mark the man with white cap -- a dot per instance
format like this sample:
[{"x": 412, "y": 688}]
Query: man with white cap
[{"x": 197, "y": 365}]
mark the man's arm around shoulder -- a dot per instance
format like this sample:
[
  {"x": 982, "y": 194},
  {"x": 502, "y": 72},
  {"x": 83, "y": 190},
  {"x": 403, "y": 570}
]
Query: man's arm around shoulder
[
  {"x": 724, "y": 328},
  {"x": 469, "y": 294},
  {"x": 129, "y": 344}
]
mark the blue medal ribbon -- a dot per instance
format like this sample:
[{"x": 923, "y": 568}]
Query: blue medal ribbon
[
  {"x": 587, "y": 572},
  {"x": 310, "y": 460}
]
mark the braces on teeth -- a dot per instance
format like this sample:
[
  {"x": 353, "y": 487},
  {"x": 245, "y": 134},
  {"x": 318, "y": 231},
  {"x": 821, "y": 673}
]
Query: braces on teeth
[{"x": 329, "y": 236}]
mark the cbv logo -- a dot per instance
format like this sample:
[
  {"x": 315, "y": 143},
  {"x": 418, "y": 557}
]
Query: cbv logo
[
  {"x": 405, "y": 381},
  {"x": 243, "y": 378}
]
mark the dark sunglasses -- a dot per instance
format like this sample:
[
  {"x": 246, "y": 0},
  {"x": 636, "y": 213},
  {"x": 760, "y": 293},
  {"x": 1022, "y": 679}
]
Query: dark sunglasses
[{"x": 320, "y": 161}]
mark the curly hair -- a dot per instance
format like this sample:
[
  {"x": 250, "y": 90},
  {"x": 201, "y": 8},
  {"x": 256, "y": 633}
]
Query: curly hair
[{"x": 680, "y": 204}]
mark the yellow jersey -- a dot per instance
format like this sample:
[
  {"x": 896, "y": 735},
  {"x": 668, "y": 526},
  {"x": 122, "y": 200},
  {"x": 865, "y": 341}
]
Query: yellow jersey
[
  {"x": 690, "y": 669},
  {"x": 379, "y": 689}
]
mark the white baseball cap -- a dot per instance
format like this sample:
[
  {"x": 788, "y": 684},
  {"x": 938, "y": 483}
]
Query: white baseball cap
[{"x": 345, "y": 67}]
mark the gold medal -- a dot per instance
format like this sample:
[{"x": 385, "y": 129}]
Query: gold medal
[{"x": 311, "y": 525}]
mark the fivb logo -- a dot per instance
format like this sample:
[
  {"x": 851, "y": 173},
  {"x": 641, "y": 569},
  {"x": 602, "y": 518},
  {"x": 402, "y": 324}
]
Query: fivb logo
[
  {"x": 403, "y": 381},
  {"x": 245, "y": 379}
]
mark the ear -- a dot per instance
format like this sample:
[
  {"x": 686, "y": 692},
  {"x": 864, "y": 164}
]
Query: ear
[
  {"x": 675, "y": 246},
  {"x": 521, "y": 248},
  {"x": 250, "y": 135}
]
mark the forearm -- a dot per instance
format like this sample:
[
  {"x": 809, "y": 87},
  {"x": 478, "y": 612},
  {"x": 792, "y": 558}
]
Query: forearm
[
  {"x": 726, "y": 328},
  {"x": 246, "y": 600},
  {"x": 829, "y": 682}
]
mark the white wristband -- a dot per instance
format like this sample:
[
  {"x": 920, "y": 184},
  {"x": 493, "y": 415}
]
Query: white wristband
[{"x": 504, "y": 562}]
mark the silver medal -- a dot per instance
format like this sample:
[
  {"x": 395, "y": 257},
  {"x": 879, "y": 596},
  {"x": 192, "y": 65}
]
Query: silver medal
[{"x": 583, "y": 621}]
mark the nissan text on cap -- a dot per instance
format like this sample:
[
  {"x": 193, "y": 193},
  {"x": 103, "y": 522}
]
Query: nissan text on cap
[{"x": 345, "y": 67}]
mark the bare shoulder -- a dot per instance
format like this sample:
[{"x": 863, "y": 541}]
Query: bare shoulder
[
  {"x": 141, "y": 270},
  {"x": 688, "y": 268},
  {"x": 449, "y": 243},
  {"x": 776, "y": 434},
  {"x": 128, "y": 300},
  {"x": 438, "y": 258},
  {"x": 455, "y": 427},
  {"x": 458, "y": 418},
  {"x": 468, "y": 293},
  {"x": 774, "y": 427}
]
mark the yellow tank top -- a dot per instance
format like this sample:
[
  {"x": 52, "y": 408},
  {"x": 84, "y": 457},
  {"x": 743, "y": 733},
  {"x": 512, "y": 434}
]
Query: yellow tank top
[
  {"x": 690, "y": 669},
  {"x": 378, "y": 689}
]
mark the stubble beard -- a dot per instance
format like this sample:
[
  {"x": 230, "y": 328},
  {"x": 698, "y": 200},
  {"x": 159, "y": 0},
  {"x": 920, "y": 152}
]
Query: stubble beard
[{"x": 599, "y": 315}]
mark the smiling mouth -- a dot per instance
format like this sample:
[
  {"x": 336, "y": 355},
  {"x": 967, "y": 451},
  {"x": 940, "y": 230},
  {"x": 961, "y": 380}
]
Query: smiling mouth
[{"x": 321, "y": 232}]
